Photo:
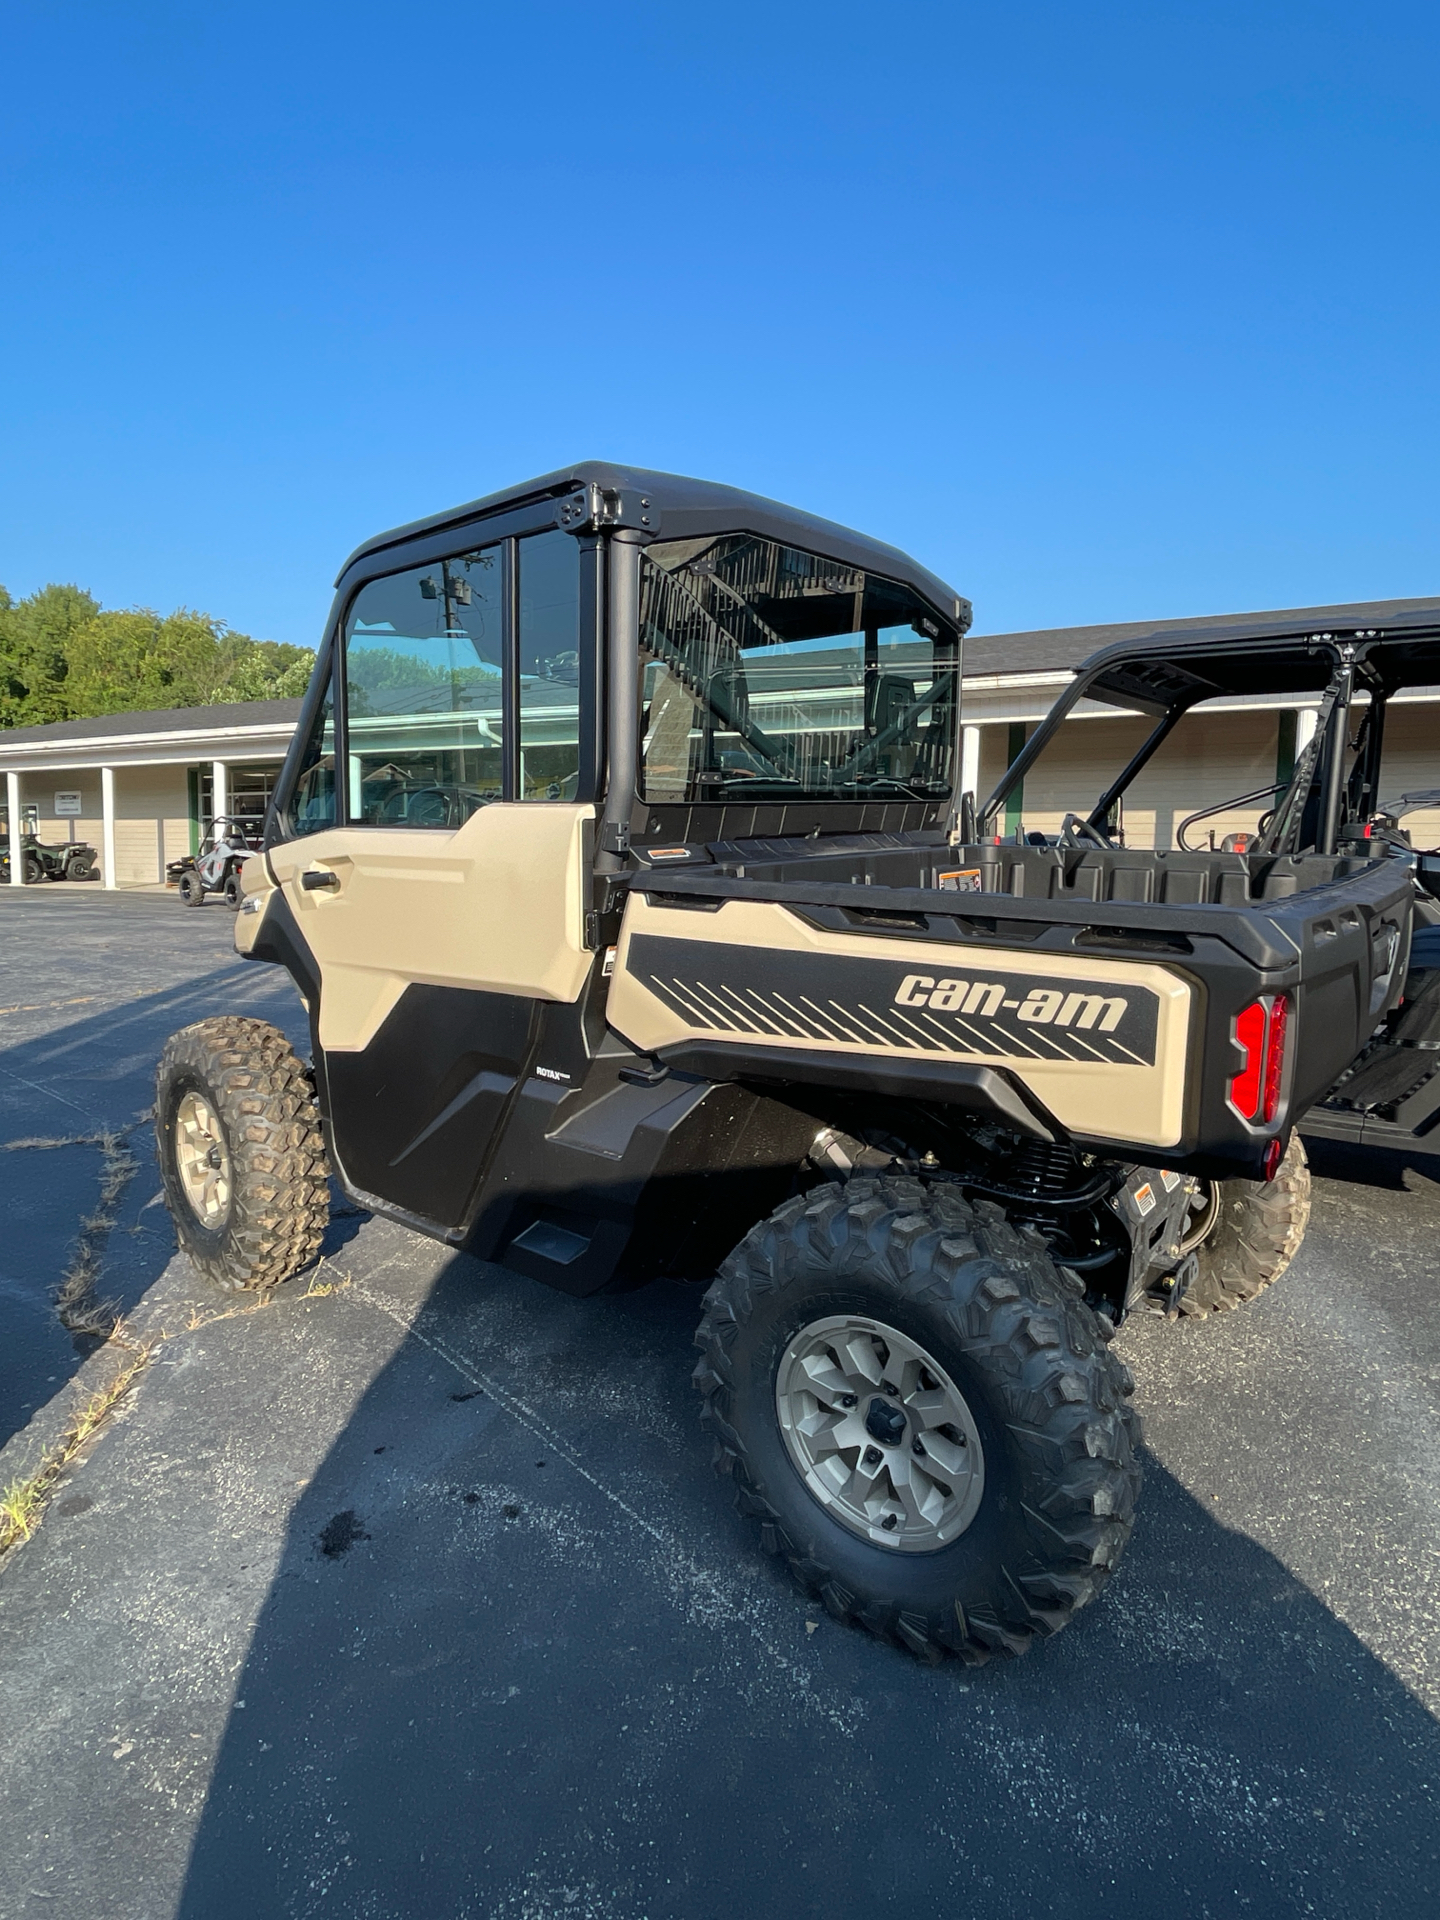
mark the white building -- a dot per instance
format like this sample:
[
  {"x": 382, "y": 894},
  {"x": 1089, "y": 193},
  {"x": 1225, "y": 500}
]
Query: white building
[{"x": 140, "y": 787}]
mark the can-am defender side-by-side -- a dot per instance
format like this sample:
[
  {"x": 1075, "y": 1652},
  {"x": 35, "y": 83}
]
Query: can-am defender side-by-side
[
  {"x": 216, "y": 868},
  {"x": 619, "y": 863}
]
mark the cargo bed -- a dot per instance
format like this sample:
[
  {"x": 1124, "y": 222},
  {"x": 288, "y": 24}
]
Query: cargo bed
[{"x": 801, "y": 961}]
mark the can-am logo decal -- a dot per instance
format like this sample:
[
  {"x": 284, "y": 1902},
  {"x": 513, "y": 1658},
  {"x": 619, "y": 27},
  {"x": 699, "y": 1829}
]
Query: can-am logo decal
[
  {"x": 1041, "y": 1005},
  {"x": 787, "y": 998}
]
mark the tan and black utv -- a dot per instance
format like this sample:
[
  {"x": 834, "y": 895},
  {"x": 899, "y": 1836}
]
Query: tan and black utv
[{"x": 619, "y": 863}]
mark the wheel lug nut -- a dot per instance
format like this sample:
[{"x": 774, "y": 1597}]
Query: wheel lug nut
[
  {"x": 873, "y": 1456},
  {"x": 890, "y": 1522},
  {"x": 885, "y": 1387},
  {"x": 847, "y": 1400},
  {"x": 915, "y": 1447}
]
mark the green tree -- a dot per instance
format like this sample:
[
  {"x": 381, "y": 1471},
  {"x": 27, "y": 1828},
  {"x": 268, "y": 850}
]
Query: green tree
[
  {"x": 62, "y": 657},
  {"x": 248, "y": 669},
  {"x": 132, "y": 662},
  {"x": 35, "y": 638}
]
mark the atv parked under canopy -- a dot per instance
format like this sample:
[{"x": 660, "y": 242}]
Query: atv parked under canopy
[
  {"x": 49, "y": 860},
  {"x": 615, "y": 861}
]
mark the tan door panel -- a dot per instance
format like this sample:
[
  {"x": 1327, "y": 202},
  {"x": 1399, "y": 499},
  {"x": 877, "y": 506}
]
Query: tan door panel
[
  {"x": 498, "y": 905},
  {"x": 1102, "y": 1043}
]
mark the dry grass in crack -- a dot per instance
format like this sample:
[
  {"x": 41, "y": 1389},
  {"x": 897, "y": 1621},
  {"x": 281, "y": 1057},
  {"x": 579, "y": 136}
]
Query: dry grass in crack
[
  {"x": 23, "y": 1502},
  {"x": 200, "y": 1317},
  {"x": 77, "y": 1298},
  {"x": 322, "y": 1289}
]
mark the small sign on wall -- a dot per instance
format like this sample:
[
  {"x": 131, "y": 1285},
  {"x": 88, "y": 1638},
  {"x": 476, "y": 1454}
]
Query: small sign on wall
[{"x": 67, "y": 805}]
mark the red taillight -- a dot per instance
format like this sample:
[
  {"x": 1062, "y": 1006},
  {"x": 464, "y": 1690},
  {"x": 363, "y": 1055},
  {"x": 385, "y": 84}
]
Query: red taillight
[
  {"x": 1260, "y": 1034},
  {"x": 1275, "y": 1055},
  {"x": 1245, "y": 1087}
]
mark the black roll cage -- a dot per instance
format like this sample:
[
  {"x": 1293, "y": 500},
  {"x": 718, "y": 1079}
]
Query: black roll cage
[{"x": 1173, "y": 672}]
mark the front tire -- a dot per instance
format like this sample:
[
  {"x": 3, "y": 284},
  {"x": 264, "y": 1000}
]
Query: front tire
[
  {"x": 192, "y": 890},
  {"x": 1253, "y": 1230},
  {"x": 241, "y": 1153},
  {"x": 967, "y": 1312}
]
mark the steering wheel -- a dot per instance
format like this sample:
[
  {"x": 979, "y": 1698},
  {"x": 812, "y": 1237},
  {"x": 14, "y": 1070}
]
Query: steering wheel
[
  {"x": 1074, "y": 828},
  {"x": 431, "y": 807}
]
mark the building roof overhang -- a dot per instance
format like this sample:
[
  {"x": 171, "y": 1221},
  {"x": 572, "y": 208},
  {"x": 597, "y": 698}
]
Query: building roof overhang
[{"x": 259, "y": 729}]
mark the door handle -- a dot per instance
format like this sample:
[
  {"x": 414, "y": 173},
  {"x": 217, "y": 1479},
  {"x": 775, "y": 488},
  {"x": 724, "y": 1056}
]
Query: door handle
[{"x": 318, "y": 880}]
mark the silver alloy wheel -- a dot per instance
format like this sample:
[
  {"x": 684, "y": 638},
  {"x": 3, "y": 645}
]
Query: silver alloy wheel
[
  {"x": 202, "y": 1160},
  {"x": 880, "y": 1433}
]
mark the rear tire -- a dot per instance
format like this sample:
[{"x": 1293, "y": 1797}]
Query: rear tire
[
  {"x": 234, "y": 892},
  {"x": 251, "y": 1211},
  {"x": 1257, "y": 1232},
  {"x": 1039, "y": 1392}
]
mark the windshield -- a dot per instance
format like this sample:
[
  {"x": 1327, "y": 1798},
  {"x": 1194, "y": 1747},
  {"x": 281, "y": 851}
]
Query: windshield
[{"x": 768, "y": 670}]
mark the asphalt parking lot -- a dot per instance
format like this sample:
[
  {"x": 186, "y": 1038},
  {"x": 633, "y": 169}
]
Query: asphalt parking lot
[{"x": 412, "y": 1592}]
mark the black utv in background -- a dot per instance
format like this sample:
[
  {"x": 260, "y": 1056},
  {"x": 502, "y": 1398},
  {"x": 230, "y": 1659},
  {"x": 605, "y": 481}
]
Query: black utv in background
[
  {"x": 1331, "y": 808},
  {"x": 721, "y": 974}
]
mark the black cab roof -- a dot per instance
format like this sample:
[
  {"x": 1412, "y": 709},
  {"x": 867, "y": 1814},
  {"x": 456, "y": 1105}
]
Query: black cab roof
[{"x": 678, "y": 508}]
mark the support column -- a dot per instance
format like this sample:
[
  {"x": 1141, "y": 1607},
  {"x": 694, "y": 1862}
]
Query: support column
[
  {"x": 107, "y": 824},
  {"x": 970, "y": 761},
  {"x": 219, "y": 789},
  {"x": 1306, "y": 721},
  {"x": 12, "y": 802}
]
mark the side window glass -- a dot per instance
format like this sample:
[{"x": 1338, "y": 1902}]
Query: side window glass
[
  {"x": 312, "y": 806},
  {"x": 549, "y": 596},
  {"x": 423, "y": 672}
]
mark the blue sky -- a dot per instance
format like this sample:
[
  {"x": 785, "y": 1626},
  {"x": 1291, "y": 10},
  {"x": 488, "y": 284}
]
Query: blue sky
[{"x": 1103, "y": 311}]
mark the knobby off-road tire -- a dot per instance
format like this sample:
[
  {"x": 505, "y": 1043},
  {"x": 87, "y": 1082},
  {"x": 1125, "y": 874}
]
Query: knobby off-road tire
[
  {"x": 1046, "y": 1399},
  {"x": 241, "y": 1152},
  {"x": 192, "y": 890},
  {"x": 1257, "y": 1233},
  {"x": 234, "y": 892}
]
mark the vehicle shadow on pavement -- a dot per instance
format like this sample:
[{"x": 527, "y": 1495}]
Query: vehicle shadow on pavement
[
  {"x": 520, "y": 1658},
  {"x": 61, "y": 1091}
]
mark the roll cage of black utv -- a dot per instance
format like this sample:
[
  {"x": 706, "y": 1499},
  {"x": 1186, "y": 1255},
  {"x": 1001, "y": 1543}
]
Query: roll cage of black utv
[{"x": 1325, "y": 801}]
